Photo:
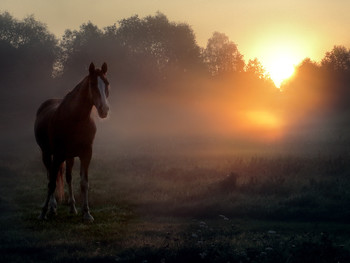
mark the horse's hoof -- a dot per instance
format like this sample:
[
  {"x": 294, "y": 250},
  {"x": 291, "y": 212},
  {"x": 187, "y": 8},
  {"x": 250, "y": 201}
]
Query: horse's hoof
[
  {"x": 73, "y": 210},
  {"x": 87, "y": 218},
  {"x": 42, "y": 217},
  {"x": 52, "y": 211}
]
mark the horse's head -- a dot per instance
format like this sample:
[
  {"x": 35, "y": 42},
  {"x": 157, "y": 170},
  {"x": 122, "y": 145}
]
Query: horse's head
[{"x": 99, "y": 87}]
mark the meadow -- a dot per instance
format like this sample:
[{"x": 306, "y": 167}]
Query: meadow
[
  {"x": 185, "y": 168},
  {"x": 183, "y": 208}
]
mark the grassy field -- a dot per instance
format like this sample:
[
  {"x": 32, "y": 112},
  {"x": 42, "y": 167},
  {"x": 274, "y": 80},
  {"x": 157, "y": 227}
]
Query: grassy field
[{"x": 148, "y": 208}]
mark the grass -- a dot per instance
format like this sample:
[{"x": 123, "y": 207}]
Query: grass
[{"x": 184, "y": 209}]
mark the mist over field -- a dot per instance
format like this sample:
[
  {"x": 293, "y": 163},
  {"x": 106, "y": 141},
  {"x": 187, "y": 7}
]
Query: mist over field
[{"x": 170, "y": 94}]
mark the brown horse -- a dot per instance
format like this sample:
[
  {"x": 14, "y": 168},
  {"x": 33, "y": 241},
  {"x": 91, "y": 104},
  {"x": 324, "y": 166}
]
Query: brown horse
[{"x": 64, "y": 129}]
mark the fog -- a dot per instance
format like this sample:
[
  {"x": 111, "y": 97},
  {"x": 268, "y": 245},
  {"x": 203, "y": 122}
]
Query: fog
[{"x": 170, "y": 96}]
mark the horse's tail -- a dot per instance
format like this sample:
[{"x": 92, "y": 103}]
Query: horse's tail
[{"x": 60, "y": 183}]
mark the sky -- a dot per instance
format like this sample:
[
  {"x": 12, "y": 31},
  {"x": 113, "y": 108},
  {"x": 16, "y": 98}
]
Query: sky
[{"x": 271, "y": 30}]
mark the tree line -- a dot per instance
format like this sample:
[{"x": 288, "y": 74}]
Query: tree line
[
  {"x": 327, "y": 81},
  {"x": 153, "y": 52},
  {"x": 151, "y": 48},
  {"x": 142, "y": 53}
]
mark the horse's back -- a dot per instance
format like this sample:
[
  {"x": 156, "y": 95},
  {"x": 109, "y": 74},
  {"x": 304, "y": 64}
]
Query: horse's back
[
  {"x": 48, "y": 105},
  {"x": 42, "y": 121}
]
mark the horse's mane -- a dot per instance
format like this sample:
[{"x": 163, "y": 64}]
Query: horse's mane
[
  {"x": 56, "y": 102},
  {"x": 72, "y": 94}
]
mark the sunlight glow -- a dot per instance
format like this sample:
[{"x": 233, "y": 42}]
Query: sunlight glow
[
  {"x": 279, "y": 52},
  {"x": 280, "y": 68},
  {"x": 262, "y": 124},
  {"x": 263, "y": 119}
]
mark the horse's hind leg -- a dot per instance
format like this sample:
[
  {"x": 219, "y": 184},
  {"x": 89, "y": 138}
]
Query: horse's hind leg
[
  {"x": 50, "y": 198},
  {"x": 47, "y": 160},
  {"x": 71, "y": 200}
]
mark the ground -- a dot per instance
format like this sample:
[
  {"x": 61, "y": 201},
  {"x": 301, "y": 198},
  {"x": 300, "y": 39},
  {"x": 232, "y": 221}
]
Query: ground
[{"x": 183, "y": 209}]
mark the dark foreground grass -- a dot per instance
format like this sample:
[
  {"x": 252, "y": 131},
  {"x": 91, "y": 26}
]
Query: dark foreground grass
[{"x": 180, "y": 209}]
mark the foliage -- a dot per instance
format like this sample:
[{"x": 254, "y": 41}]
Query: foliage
[
  {"x": 222, "y": 55},
  {"x": 320, "y": 92},
  {"x": 28, "y": 51},
  {"x": 255, "y": 67},
  {"x": 338, "y": 59},
  {"x": 77, "y": 46},
  {"x": 151, "y": 48}
]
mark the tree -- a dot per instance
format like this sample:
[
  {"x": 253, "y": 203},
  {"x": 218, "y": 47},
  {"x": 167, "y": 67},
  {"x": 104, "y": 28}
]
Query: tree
[
  {"x": 28, "y": 51},
  {"x": 338, "y": 59},
  {"x": 79, "y": 47},
  {"x": 255, "y": 68},
  {"x": 30, "y": 45},
  {"x": 222, "y": 56},
  {"x": 158, "y": 45},
  {"x": 139, "y": 50}
]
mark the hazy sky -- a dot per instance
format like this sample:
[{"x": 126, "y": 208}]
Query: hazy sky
[{"x": 262, "y": 29}]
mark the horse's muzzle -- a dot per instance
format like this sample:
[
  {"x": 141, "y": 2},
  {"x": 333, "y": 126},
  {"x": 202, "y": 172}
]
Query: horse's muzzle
[{"x": 103, "y": 111}]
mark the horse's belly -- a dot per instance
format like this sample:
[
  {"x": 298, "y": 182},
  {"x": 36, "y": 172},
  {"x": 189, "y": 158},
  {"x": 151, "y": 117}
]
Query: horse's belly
[{"x": 74, "y": 140}]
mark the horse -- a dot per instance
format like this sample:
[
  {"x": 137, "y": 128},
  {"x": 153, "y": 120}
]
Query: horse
[{"x": 64, "y": 129}]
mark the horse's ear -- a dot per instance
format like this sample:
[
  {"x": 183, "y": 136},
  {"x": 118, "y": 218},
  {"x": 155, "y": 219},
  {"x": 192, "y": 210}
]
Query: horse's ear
[
  {"x": 104, "y": 68},
  {"x": 91, "y": 68}
]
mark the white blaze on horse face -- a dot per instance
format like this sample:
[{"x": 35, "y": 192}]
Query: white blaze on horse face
[{"x": 102, "y": 89}]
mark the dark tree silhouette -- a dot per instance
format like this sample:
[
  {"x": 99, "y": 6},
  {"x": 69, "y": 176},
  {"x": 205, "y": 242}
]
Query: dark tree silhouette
[
  {"x": 143, "y": 50},
  {"x": 222, "y": 56},
  {"x": 158, "y": 48},
  {"x": 78, "y": 47},
  {"x": 28, "y": 51},
  {"x": 338, "y": 59},
  {"x": 317, "y": 97}
]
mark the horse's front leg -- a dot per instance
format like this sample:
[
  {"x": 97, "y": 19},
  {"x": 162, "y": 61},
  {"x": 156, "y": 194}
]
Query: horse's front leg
[
  {"x": 50, "y": 198},
  {"x": 84, "y": 183},
  {"x": 71, "y": 200}
]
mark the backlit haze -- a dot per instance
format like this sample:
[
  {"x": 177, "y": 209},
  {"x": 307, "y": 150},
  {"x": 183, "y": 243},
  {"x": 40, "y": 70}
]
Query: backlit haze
[
  {"x": 279, "y": 33},
  {"x": 241, "y": 107}
]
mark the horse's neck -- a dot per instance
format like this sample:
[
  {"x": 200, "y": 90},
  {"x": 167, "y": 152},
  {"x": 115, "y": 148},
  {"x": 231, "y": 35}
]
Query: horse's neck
[{"x": 77, "y": 104}]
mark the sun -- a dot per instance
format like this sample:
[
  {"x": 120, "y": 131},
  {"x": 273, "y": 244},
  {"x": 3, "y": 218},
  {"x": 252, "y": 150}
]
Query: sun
[
  {"x": 280, "y": 54},
  {"x": 280, "y": 67}
]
